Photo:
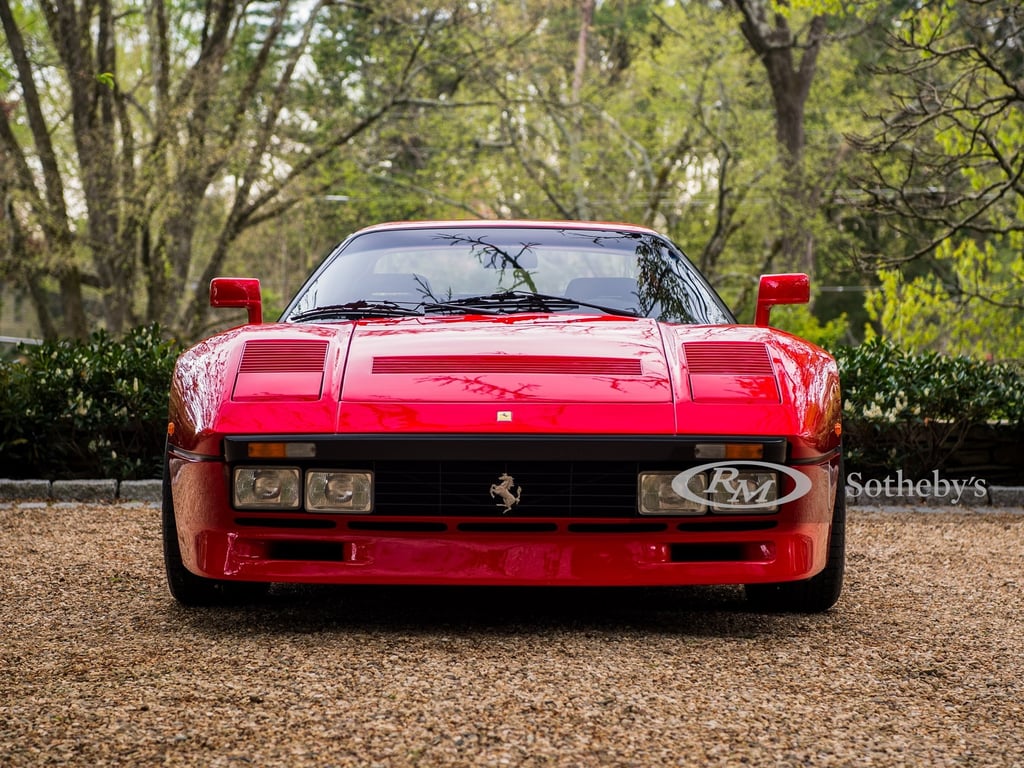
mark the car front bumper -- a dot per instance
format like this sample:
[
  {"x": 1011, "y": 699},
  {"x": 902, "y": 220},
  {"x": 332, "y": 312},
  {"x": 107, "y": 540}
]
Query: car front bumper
[{"x": 220, "y": 542}]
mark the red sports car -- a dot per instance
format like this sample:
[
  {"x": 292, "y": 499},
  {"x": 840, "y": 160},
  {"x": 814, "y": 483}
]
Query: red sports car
[{"x": 506, "y": 403}]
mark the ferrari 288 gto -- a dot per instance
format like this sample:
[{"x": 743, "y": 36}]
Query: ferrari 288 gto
[{"x": 506, "y": 403}]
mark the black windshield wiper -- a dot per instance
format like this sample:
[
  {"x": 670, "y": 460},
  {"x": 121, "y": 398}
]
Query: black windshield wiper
[
  {"x": 517, "y": 301},
  {"x": 356, "y": 310}
]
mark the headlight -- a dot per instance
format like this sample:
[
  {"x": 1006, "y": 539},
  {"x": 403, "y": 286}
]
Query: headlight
[
  {"x": 266, "y": 488},
  {"x": 744, "y": 491},
  {"x": 658, "y": 498},
  {"x": 337, "y": 490}
]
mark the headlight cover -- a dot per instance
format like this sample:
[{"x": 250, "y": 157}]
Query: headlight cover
[
  {"x": 744, "y": 492},
  {"x": 658, "y": 498},
  {"x": 339, "y": 490},
  {"x": 267, "y": 487},
  {"x": 723, "y": 490}
]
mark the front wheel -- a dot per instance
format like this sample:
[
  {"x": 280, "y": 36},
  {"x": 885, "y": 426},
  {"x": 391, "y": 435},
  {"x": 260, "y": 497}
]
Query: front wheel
[
  {"x": 186, "y": 587},
  {"x": 820, "y": 592}
]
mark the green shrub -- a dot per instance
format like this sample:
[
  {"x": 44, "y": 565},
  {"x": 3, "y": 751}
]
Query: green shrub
[
  {"x": 95, "y": 408},
  {"x": 99, "y": 408},
  {"x": 912, "y": 411}
]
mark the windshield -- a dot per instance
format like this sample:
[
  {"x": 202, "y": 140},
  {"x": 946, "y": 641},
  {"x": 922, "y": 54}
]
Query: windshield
[{"x": 496, "y": 270}]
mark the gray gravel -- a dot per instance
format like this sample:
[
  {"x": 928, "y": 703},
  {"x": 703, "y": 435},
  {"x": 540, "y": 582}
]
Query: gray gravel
[{"x": 919, "y": 664}]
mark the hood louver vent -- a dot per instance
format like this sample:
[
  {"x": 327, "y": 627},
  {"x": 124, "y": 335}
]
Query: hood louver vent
[
  {"x": 538, "y": 364},
  {"x": 295, "y": 356},
  {"x": 737, "y": 358}
]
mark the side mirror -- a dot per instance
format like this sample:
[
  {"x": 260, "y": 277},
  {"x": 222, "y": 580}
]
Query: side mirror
[
  {"x": 780, "y": 289},
  {"x": 238, "y": 292}
]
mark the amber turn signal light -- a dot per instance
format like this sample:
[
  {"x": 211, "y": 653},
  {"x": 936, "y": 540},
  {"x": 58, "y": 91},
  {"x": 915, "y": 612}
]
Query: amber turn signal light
[{"x": 729, "y": 451}]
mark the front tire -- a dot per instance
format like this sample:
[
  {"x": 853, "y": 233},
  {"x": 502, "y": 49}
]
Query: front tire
[
  {"x": 818, "y": 593},
  {"x": 186, "y": 587}
]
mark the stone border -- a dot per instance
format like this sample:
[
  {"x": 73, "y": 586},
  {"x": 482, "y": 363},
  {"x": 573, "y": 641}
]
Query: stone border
[{"x": 80, "y": 490}]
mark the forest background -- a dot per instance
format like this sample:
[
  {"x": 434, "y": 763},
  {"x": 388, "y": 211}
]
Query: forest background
[{"x": 148, "y": 146}]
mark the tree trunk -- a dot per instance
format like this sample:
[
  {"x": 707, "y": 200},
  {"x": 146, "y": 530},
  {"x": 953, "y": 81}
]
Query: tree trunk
[
  {"x": 790, "y": 81},
  {"x": 576, "y": 136}
]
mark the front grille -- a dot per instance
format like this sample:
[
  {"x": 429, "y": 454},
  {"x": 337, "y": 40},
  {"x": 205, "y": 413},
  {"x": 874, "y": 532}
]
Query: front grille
[
  {"x": 565, "y": 477},
  {"x": 543, "y": 489}
]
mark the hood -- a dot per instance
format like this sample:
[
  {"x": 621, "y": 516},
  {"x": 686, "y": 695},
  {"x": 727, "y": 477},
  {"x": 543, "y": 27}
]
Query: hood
[
  {"x": 565, "y": 359},
  {"x": 520, "y": 373}
]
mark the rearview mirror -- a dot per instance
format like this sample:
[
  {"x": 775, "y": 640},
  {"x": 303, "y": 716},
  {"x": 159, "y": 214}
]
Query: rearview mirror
[
  {"x": 792, "y": 288},
  {"x": 238, "y": 292}
]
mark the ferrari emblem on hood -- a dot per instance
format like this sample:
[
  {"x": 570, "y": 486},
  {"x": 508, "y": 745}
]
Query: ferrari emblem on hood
[{"x": 503, "y": 490}]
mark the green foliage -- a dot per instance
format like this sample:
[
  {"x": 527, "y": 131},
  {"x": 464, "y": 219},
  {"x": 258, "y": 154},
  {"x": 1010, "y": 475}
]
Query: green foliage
[
  {"x": 911, "y": 410},
  {"x": 975, "y": 282},
  {"x": 94, "y": 408},
  {"x": 956, "y": 314},
  {"x": 945, "y": 166},
  {"x": 800, "y": 321}
]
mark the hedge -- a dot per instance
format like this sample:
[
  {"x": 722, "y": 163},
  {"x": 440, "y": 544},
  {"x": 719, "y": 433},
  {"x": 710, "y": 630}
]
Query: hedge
[
  {"x": 94, "y": 408},
  {"x": 98, "y": 408},
  {"x": 913, "y": 411}
]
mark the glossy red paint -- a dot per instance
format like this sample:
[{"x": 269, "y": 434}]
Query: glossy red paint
[
  {"x": 517, "y": 375},
  {"x": 354, "y": 399}
]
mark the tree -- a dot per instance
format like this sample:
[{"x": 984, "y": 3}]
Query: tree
[
  {"x": 155, "y": 126},
  {"x": 790, "y": 62},
  {"x": 945, "y": 172},
  {"x": 639, "y": 112},
  {"x": 570, "y": 113}
]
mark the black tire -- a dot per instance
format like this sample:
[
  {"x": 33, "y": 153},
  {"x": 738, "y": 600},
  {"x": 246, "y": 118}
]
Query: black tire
[
  {"x": 186, "y": 587},
  {"x": 818, "y": 593}
]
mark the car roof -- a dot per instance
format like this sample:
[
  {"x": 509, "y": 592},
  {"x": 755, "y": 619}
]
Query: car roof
[{"x": 506, "y": 223}]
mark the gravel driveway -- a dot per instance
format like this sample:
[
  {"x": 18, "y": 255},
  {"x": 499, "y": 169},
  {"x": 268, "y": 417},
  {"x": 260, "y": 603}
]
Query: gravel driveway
[{"x": 921, "y": 663}]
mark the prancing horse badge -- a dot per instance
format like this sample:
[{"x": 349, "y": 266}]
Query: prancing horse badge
[{"x": 503, "y": 490}]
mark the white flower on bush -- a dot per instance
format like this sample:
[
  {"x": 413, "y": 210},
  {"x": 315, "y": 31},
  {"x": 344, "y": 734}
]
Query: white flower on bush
[
  {"x": 82, "y": 405},
  {"x": 872, "y": 412},
  {"x": 899, "y": 406}
]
